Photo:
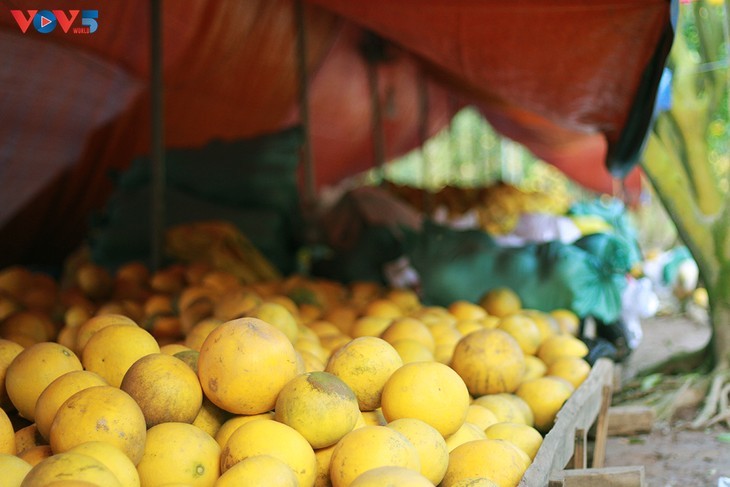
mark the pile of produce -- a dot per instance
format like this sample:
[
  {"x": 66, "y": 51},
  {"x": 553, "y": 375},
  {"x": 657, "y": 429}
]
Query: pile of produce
[
  {"x": 497, "y": 208},
  {"x": 189, "y": 376}
]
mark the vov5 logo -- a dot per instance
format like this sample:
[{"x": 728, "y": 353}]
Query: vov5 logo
[{"x": 45, "y": 21}]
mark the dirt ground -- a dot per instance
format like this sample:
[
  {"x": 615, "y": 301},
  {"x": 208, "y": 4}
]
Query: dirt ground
[{"x": 672, "y": 454}]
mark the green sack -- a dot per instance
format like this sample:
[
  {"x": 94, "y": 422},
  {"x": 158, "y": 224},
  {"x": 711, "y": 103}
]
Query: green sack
[{"x": 587, "y": 277}]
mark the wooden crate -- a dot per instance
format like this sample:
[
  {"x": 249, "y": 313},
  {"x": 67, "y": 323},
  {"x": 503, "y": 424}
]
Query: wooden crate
[{"x": 562, "y": 459}]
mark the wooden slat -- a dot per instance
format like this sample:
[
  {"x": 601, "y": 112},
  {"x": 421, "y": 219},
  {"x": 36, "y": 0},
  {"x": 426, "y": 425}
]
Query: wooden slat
[
  {"x": 601, "y": 477},
  {"x": 578, "y": 412},
  {"x": 599, "y": 449},
  {"x": 630, "y": 420}
]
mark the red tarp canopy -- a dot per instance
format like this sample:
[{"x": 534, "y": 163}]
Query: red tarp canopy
[{"x": 563, "y": 77}]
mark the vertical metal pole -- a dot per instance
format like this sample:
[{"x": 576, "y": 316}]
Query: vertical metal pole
[
  {"x": 376, "y": 120},
  {"x": 309, "y": 190},
  {"x": 423, "y": 109},
  {"x": 157, "y": 136}
]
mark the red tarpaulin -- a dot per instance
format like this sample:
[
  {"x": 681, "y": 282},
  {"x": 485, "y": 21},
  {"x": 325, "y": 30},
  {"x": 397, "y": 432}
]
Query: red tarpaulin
[{"x": 562, "y": 77}]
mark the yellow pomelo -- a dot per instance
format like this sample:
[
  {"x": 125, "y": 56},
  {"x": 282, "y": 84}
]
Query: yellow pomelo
[
  {"x": 369, "y": 326},
  {"x": 365, "y": 364},
  {"x": 278, "y": 315},
  {"x": 467, "y": 432},
  {"x": 412, "y": 351},
  {"x": 367, "y": 448},
  {"x": 323, "y": 328},
  {"x": 275, "y": 439},
  {"x": 545, "y": 396},
  {"x": 524, "y": 330},
  {"x": 323, "y": 457},
  {"x": 244, "y": 363},
  {"x": 521, "y": 406},
  {"x": 8, "y": 351},
  {"x": 7, "y": 435},
  {"x": 559, "y": 346},
  {"x": 179, "y": 452},
  {"x": 546, "y": 323},
  {"x": 33, "y": 369},
  {"x": 36, "y": 454},
  {"x": 320, "y": 406},
  {"x": 500, "y": 302},
  {"x": 28, "y": 437},
  {"x": 259, "y": 470},
  {"x": 429, "y": 391},
  {"x": 332, "y": 343},
  {"x": 232, "y": 424},
  {"x": 568, "y": 321},
  {"x": 410, "y": 329},
  {"x": 534, "y": 368},
  {"x": 13, "y": 469},
  {"x": 87, "y": 329},
  {"x": 234, "y": 303},
  {"x": 312, "y": 362},
  {"x": 466, "y": 310},
  {"x": 173, "y": 348},
  {"x": 210, "y": 418},
  {"x": 200, "y": 331},
  {"x": 112, "y": 458},
  {"x": 56, "y": 394},
  {"x": 373, "y": 418},
  {"x": 70, "y": 466},
  {"x": 342, "y": 316},
  {"x": 111, "y": 351},
  {"x": 406, "y": 299},
  {"x": 504, "y": 409},
  {"x": 100, "y": 413},
  {"x": 497, "y": 460},
  {"x": 524, "y": 437},
  {"x": 165, "y": 388},
  {"x": 489, "y": 361},
  {"x": 383, "y": 308},
  {"x": 430, "y": 445},
  {"x": 391, "y": 475},
  {"x": 480, "y": 416},
  {"x": 573, "y": 369},
  {"x": 474, "y": 482},
  {"x": 464, "y": 327}
]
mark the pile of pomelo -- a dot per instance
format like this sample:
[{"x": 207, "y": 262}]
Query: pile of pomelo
[{"x": 186, "y": 377}]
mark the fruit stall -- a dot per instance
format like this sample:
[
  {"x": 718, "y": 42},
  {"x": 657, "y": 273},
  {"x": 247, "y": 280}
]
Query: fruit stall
[{"x": 198, "y": 289}]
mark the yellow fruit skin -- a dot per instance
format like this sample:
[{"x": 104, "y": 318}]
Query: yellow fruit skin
[
  {"x": 500, "y": 302},
  {"x": 8, "y": 351},
  {"x": 7, "y": 435},
  {"x": 25, "y": 380},
  {"x": 113, "y": 458},
  {"x": 111, "y": 351},
  {"x": 56, "y": 394},
  {"x": 504, "y": 409},
  {"x": 489, "y": 361},
  {"x": 100, "y": 413},
  {"x": 365, "y": 364},
  {"x": 467, "y": 432},
  {"x": 179, "y": 452},
  {"x": 524, "y": 437},
  {"x": 573, "y": 369},
  {"x": 523, "y": 330},
  {"x": 367, "y": 448},
  {"x": 559, "y": 346},
  {"x": 497, "y": 460},
  {"x": 259, "y": 470},
  {"x": 534, "y": 368},
  {"x": 233, "y": 423},
  {"x": 320, "y": 406},
  {"x": 545, "y": 396},
  {"x": 244, "y": 363},
  {"x": 165, "y": 388},
  {"x": 70, "y": 466},
  {"x": 391, "y": 475},
  {"x": 275, "y": 439},
  {"x": 13, "y": 469},
  {"x": 429, "y": 391},
  {"x": 433, "y": 452}
]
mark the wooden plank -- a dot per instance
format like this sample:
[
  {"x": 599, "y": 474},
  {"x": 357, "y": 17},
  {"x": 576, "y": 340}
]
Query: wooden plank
[
  {"x": 632, "y": 476},
  {"x": 599, "y": 449},
  {"x": 580, "y": 450},
  {"x": 578, "y": 412},
  {"x": 630, "y": 420}
]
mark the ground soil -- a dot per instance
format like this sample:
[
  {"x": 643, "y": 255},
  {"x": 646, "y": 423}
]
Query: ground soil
[{"x": 672, "y": 454}]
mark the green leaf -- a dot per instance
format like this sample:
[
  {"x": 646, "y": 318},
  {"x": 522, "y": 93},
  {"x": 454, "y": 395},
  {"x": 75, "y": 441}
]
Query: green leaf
[
  {"x": 724, "y": 437},
  {"x": 651, "y": 381}
]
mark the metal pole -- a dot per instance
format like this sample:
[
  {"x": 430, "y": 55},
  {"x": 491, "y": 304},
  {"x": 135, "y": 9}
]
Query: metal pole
[
  {"x": 376, "y": 120},
  {"x": 309, "y": 190},
  {"x": 157, "y": 136}
]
